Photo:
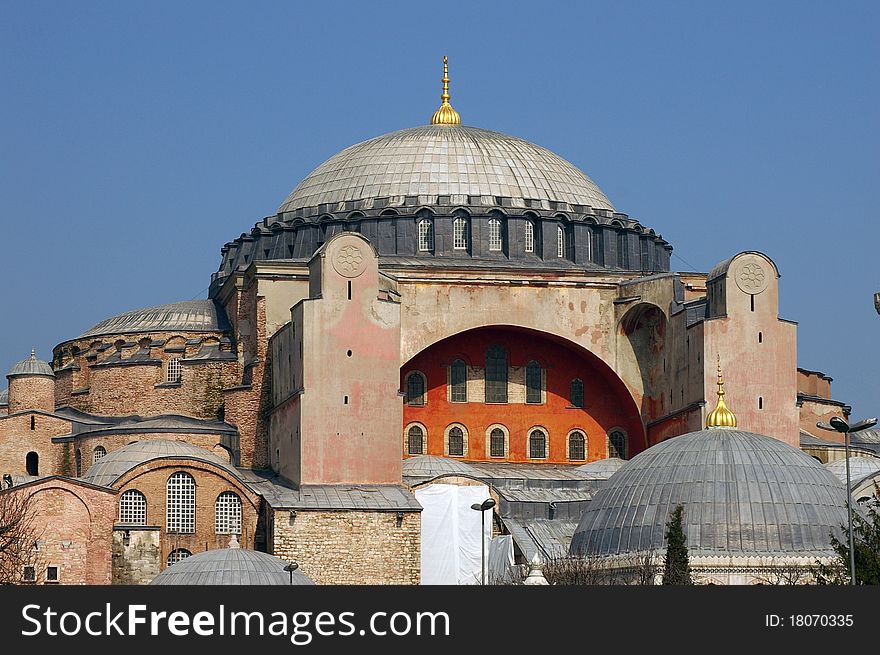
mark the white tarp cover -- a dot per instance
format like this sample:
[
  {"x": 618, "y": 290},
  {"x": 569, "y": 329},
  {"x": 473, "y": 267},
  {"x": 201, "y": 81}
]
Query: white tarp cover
[
  {"x": 451, "y": 533},
  {"x": 501, "y": 560}
]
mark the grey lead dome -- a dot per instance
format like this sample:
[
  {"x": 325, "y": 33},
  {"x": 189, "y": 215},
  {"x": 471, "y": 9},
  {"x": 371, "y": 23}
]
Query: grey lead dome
[
  {"x": 435, "y": 160},
  {"x": 31, "y": 366},
  {"x": 230, "y": 566},
  {"x": 743, "y": 494}
]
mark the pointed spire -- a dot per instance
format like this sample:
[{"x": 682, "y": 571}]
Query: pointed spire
[
  {"x": 721, "y": 416},
  {"x": 33, "y": 353},
  {"x": 445, "y": 115}
]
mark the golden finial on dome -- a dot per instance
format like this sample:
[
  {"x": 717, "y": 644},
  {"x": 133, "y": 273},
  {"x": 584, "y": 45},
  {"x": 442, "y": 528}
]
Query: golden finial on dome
[
  {"x": 446, "y": 115},
  {"x": 721, "y": 416}
]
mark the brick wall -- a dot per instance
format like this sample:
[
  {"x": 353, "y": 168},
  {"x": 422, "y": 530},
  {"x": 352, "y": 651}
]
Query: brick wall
[
  {"x": 17, "y": 439},
  {"x": 350, "y": 547},
  {"x": 87, "y": 445},
  {"x": 31, "y": 392}
]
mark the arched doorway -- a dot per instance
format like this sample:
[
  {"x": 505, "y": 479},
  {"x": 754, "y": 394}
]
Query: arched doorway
[{"x": 32, "y": 463}]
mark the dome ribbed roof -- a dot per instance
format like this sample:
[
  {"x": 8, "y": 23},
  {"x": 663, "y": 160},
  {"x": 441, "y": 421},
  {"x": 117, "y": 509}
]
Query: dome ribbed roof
[
  {"x": 859, "y": 467},
  {"x": 743, "y": 494},
  {"x": 230, "y": 566},
  {"x": 187, "y": 316},
  {"x": 118, "y": 462},
  {"x": 601, "y": 469},
  {"x": 436, "y": 160},
  {"x": 31, "y": 366},
  {"x": 431, "y": 466}
]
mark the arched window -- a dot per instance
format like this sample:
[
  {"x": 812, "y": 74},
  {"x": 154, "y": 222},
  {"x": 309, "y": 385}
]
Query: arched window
[
  {"x": 577, "y": 446},
  {"x": 533, "y": 382},
  {"x": 456, "y": 442},
  {"x": 460, "y": 233},
  {"x": 426, "y": 235},
  {"x": 32, "y": 463},
  {"x": 497, "y": 443},
  {"x": 415, "y": 389},
  {"x": 79, "y": 463},
  {"x": 560, "y": 241},
  {"x": 530, "y": 237},
  {"x": 496, "y": 375},
  {"x": 458, "y": 382},
  {"x": 617, "y": 444},
  {"x": 98, "y": 454},
  {"x": 227, "y": 513},
  {"x": 177, "y": 555},
  {"x": 537, "y": 444},
  {"x": 577, "y": 393},
  {"x": 133, "y": 508},
  {"x": 495, "y": 234},
  {"x": 180, "y": 503},
  {"x": 172, "y": 371},
  {"x": 415, "y": 441}
]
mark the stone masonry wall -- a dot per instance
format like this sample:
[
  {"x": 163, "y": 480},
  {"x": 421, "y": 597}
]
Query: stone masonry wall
[
  {"x": 137, "y": 561},
  {"x": 351, "y": 547},
  {"x": 27, "y": 432},
  {"x": 31, "y": 392}
]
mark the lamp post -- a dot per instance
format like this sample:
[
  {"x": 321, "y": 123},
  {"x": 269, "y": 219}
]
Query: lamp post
[
  {"x": 482, "y": 508},
  {"x": 290, "y": 568},
  {"x": 837, "y": 424}
]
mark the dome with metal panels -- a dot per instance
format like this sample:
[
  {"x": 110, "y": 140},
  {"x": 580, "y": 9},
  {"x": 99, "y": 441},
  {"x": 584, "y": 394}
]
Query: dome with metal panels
[
  {"x": 859, "y": 467},
  {"x": 446, "y": 160},
  {"x": 432, "y": 466},
  {"x": 744, "y": 495},
  {"x": 231, "y": 566},
  {"x": 601, "y": 469},
  {"x": 31, "y": 366},
  {"x": 4, "y": 397},
  {"x": 117, "y": 463},
  {"x": 186, "y": 316}
]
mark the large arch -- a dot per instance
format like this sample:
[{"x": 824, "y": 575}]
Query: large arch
[
  {"x": 642, "y": 348},
  {"x": 608, "y": 401}
]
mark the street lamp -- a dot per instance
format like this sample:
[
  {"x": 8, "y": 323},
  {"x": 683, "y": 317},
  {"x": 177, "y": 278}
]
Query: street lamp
[
  {"x": 482, "y": 508},
  {"x": 837, "y": 424},
  {"x": 290, "y": 568}
]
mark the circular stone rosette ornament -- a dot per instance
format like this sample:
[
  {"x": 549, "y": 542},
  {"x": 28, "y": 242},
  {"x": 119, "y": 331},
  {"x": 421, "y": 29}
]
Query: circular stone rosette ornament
[
  {"x": 349, "y": 261},
  {"x": 751, "y": 276}
]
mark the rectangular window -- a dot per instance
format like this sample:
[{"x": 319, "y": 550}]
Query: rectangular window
[
  {"x": 459, "y": 234},
  {"x": 173, "y": 372},
  {"x": 426, "y": 236},
  {"x": 530, "y": 236},
  {"x": 494, "y": 235},
  {"x": 29, "y": 574},
  {"x": 51, "y": 574}
]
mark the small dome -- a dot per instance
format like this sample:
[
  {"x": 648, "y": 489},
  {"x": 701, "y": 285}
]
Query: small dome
[
  {"x": 31, "y": 366},
  {"x": 4, "y": 397},
  {"x": 859, "y": 467},
  {"x": 230, "y": 566},
  {"x": 436, "y": 160},
  {"x": 431, "y": 466},
  {"x": 743, "y": 494},
  {"x": 601, "y": 469},
  {"x": 117, "y": 463},
  {"x": 187, "y": 316}
]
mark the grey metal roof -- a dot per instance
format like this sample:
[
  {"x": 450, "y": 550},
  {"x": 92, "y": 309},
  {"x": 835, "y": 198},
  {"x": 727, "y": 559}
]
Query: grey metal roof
[
  {"x": 31, "y": 366},
  {"x": 505, "y": 470},
  {"x": 118, "y": 462},
  {"x": 230, "y": 566},
  {"x": 859, "y": 467},
  {"x": 550, "y": 538},
  {"x": 4, "y": 397},
  {"x": 431, "y": 466},
  {"x": 807, "y": 439},
  {"x": 186, "y": 316},
  {"x": 365, "y": 497},
  {"x": 601, "y": 469},
  {"x": 744, "y": 495},
  {"x": 435, "y": 160}
]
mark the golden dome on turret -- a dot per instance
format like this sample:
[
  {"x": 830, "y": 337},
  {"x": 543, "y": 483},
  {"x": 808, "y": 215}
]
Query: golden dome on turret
[
  {"x": 721, "y": 416},
  {"x": 446, "y": 115}
]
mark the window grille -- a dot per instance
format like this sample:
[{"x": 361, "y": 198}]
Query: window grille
[
  {"x": 133, "y": 508},
  {"x": 577, "y": 446},
  {"x": 496, "y": 443},
  {"x": 177, "y": 555},
  {"x": 530, "y": 236},
  {"x": 460, "y": 233},
  {"x": 495, "y": 238},
  {"x": 415, "y": 389},
  {"x": 415, "y": 439},
  {"x": 173, "y": 372},
  {"x": 496, "y": 375},
  {"x": 533, "y": 382},
  {"x": 458, "y": 382},
  {"x": 456, "y": 442},
  {"x": 181, "y": 503},
  {"x": 98, "y": 454},
  {"x": 426, "y": 235},
  {"x": 577, "y": 393},
  {"x": 617, "y": 444},
  {"x": 537, "y": 445},
  {"x": 227, "y": 513},
  {"x": 560, "y": 241}
]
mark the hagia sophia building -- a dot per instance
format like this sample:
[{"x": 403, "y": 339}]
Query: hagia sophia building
[{"x": 432, "y": 317}]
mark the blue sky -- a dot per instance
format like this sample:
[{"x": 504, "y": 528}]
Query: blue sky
[{"x": 137, "y": 138}]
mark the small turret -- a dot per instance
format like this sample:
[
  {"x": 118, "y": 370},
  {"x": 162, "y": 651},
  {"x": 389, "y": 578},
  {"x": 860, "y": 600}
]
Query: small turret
[{"x": 31, "y": 385}]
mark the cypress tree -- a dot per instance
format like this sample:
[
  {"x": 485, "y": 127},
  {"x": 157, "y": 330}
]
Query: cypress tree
[{"x": 676, "y": 569}]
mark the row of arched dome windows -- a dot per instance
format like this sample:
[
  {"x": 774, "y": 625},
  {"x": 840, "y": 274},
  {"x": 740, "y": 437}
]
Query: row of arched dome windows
[
  {"x": 461, "y": 238},
  {"x": 498, "y": 442},
  {"x": 496, "y": 382},
  {"x": 180, "y": 507}
]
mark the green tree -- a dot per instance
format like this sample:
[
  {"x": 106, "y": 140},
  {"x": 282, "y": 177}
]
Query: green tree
[
  {"x": 866, "y": 543},
  {"x": 676, "y": 569}
]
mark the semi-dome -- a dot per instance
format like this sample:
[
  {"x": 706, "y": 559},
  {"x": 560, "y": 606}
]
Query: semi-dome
[
  {"x": 231, "y": 566},
  {"x": 432, "y": 466},
  {"x": 445, "y": 160},
  {"x": 744, "y": 495},
  {"x": 601, "y": 469},
  {"x": 186, "y": 316},
  {"x": 31, "y": 366},
  {"x": 109, "y": 468},
  {"x": 859, "y": 467}
]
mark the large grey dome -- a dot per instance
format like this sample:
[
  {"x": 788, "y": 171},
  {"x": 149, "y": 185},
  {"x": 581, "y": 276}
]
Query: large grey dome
[
  {"x": 230, "y": 566},
  {"x": 445, "y": 160},
  {"x": 109, "y": 468},
  {"x": 744, "y": 495},
  {"x": 31, "y": 366},
  {"x": 186, "y": 316}
]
